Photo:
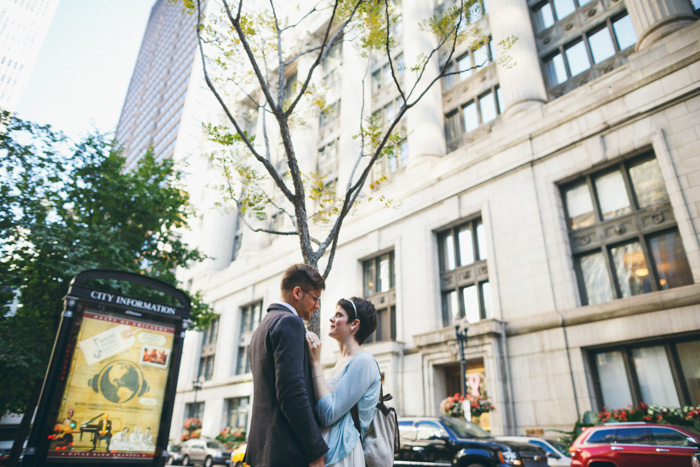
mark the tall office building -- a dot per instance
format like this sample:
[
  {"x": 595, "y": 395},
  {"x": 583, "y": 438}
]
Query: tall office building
[
  {"x": 554, "y": 206},
  {"x": 23, "y": 27},
  {"x": 158, "y": 100}
]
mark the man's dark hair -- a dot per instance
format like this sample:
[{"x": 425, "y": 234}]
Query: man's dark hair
[
  {"x": 365, "y": 312},
  {"x": 304, "y": 276}
]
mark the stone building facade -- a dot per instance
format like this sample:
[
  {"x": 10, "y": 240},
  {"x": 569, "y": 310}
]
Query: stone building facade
[{"x": 554, "y": 204}]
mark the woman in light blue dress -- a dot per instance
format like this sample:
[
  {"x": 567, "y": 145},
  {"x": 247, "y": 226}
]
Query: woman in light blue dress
[{"x": 355, "y": 379}]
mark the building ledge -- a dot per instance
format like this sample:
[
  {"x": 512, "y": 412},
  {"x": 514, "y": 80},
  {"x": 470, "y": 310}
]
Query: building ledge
[
  {"x": 647, "y": 303},
  {"x": 483, "y": 328}
]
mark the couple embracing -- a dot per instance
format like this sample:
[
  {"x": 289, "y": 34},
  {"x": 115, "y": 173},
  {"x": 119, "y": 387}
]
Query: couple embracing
[{"x": 299, "y": 418}]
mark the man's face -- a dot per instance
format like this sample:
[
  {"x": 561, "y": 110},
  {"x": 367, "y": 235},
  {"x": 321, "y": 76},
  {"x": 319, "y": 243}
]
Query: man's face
[{"x": 308, "y": 302}]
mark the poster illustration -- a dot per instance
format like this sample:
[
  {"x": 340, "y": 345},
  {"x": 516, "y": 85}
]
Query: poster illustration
[{"x": 113, "y": 398}]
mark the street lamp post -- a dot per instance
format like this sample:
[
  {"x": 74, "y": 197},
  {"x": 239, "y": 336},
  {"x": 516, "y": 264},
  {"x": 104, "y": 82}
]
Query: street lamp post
[
  {"x": 196, "y": 385},
  {"x": 461, "y": 328}
]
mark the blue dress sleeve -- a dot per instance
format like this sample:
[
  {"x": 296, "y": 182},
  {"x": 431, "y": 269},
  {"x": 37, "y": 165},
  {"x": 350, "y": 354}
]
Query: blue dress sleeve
[{"x": 360, "y": 373}]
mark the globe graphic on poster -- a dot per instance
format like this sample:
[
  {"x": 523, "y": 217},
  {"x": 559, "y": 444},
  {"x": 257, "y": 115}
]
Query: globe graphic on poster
[{"x": 119, "y": 382}]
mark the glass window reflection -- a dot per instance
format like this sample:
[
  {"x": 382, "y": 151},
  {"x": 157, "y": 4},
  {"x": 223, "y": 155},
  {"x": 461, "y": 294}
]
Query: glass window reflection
[
  {"x": 564, "y": 8},
  {"x": 595, "y": 279},
  {"x": 648, "y": 183},
  {"x": 601, "y": 45},
  {"x": 579, "y": 206},
  {"x": 614, "y": 385},
  {"x": 578, "y": 58},
  {"x": 624, "y": 32},
  {"x": 544, "y": 17},
  {"x": 631, "y": 269},
  {"x": 471, "y": 304},
  {"x": 466, "y": 246},
  {"x": 471, "y": 117},
  {"x": 487, "y": 102},
  {"x": 449, "y": 252},
  {"x": 670, "y": 260},
  {"x": 556, "y": 70},
  {"x": 612, "y": 195},
  {"x": 481, "y": 241}
]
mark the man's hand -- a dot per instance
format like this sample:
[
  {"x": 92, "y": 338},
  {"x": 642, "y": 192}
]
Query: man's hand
[{"x": 317, "y": 463}]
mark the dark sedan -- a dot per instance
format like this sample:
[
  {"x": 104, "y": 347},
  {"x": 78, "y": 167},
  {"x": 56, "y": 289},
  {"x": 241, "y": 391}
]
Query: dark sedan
[{"x": 452, "y": 442}]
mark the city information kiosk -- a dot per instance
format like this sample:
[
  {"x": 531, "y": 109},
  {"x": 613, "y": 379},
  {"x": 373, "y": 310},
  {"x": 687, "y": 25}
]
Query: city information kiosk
[{"x": 110, "y": 386}]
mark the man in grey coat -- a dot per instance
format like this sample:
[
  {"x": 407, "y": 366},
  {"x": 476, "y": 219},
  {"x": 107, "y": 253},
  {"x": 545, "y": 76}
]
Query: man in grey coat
[{"x": 283, "y": 428}]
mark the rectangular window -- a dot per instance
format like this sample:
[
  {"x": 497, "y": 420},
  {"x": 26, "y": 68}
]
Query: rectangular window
[
  {"x": 545, "y": 14},
  {"x": 624, "y": 32},
  {"x": 577, "y": 58},
  {"x": 471, "y": 117},
  {"x": 487, "y": 104},
  {"x": 194, "y": 410},
  {"x": 663, "y": 373},
  {"x": 590, "y": 50},
  {"x": 251, "y": 315},
  {"x": 641, "y": 250},
  {"x": 378, "y": 286},
  {"x": 465, "y": 288},
  {"x": 601, "y": 45},
  {"x": 237, "y": 238},
  {"x": 237, "y": 412},
  {"x": 452, "y": 125},
  {"x": 208, "y": 350},
  {"x": 464, "y": 65}
]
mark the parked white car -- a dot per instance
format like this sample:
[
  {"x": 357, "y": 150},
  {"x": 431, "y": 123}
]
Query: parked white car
[{"x": 557, "y": 453}]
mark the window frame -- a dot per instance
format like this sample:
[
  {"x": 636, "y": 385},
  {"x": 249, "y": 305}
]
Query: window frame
[
  {"x": 384, "y": 302},
  {"x": 594, "y": 69},
  {"x": 460, "y": 127},
  {"x": 537, "y": 6},
  {"x": 244, "y": 336},
  {"x": 462, "y": 275},
  {"x": 208, "y": 350},
  {"x": 228, "y": 402},
  {"x": 602, "y": 236},
  {"x": 671, "y": 350}
]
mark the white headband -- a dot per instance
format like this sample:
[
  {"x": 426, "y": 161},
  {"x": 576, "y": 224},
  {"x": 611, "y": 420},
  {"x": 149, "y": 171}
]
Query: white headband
[{"x": 353, "y": 305}]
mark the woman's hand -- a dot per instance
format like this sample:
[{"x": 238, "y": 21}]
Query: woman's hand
[{"x": 314, "y": 345}]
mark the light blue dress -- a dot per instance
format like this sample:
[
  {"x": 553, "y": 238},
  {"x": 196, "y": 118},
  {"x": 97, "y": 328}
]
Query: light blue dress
[{"x": 359, "y": 382}]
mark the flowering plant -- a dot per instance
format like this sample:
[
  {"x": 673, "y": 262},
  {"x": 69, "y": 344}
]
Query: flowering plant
[
  {"x": 684, "y": 416},
  {"x": 192, "y": 428},
  {"x": 192, "y": 424},
  {"x": 454, "y": 406},
  {"x": 231, "y": 437}
]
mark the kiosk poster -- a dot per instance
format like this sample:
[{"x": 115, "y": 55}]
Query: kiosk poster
[{"x": 113, "y": 398}]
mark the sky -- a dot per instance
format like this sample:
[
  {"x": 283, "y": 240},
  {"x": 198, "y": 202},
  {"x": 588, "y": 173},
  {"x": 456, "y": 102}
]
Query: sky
[{"x": 81, "y": 76}]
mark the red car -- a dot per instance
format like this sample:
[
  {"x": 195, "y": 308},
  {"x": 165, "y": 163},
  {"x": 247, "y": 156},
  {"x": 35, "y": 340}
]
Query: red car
[{"x": 634, "y": 445}]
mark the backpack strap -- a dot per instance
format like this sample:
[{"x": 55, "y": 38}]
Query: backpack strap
[
  {"x": 356, "y": 419},
  {"x": 355, "y": 412}
]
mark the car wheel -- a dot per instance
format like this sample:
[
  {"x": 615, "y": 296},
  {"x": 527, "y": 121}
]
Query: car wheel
[
  {"x": 208, "y": 462},
  {"x": 185, "y": 460},
  {"x": 170, "y": 461}
]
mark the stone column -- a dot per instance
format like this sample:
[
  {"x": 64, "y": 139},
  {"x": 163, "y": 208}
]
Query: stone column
[
  {"x": 654, "y": 19},
  {"x": 354, "y": 93},
  {"x": 425, "y": 122},
  {"x": 522, "y": 85}
]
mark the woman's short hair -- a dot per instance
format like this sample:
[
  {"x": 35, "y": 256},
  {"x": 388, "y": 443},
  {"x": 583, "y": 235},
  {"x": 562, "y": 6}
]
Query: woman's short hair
[
  {"x": 362, "y": 310},
  {"x": 304, "y": 276}
]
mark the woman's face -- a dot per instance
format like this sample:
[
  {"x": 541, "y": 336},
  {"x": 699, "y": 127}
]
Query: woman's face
[{"x": 339, "y": 323}]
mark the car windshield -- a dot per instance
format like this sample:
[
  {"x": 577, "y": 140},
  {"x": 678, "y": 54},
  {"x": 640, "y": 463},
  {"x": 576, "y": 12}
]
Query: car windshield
[
  {"x": 559, "y": 446},
  {"x": 464, "y": 429},
  {"x": 215, "y": 445},
  {"x": 174, "y": 448}
]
